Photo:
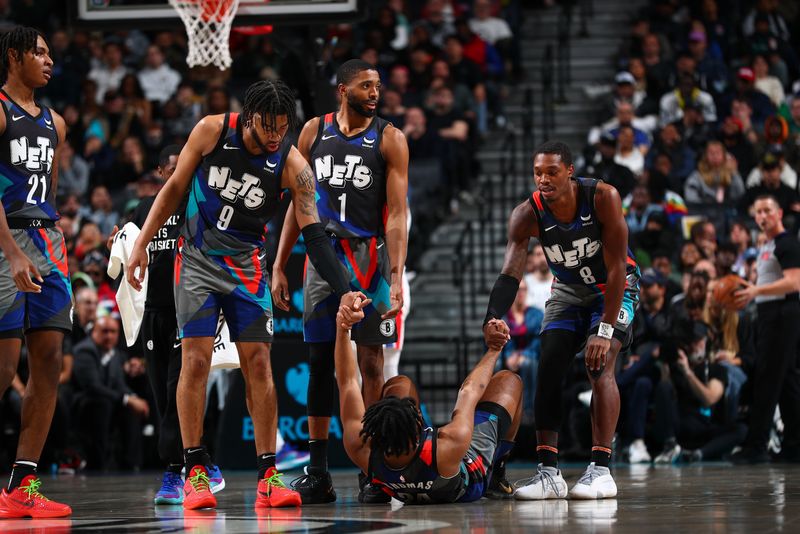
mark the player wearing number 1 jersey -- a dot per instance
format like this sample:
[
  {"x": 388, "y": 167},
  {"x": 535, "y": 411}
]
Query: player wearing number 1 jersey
[
  {"x": 595, "y": 292},
  {"x": 361, "y": 166},
  {"x": 236, "y": 166},
  {"x": 35, "y": 291}
]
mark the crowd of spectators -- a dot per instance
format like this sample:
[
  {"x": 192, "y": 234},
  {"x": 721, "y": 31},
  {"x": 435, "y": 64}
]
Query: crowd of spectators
[
  {"x": 701, "y": 117},
  {"x": 126, "y": 94}
]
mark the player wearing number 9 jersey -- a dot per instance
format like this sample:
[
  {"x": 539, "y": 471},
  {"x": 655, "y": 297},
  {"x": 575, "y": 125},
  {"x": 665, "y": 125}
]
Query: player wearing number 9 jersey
[
  {"x": 594, "y": 296},
  {"x": 35, "y": 290},
  {"x": 236, "y": 166},
  {"x": 361, "y": 166}
]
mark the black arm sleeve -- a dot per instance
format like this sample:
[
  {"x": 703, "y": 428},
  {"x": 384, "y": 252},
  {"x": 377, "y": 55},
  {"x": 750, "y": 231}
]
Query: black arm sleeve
[
  {"x": 502, "y": 297},
  {"x": 322, "y": 255}
]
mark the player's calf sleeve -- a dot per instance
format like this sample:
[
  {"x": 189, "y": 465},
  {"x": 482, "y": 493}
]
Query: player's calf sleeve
[
  {"x": 323, "y": 257},
  {"x": 391, "y": 363},
  {"x": 321, "y": 381},
  {"x": 555, "y": 359}
]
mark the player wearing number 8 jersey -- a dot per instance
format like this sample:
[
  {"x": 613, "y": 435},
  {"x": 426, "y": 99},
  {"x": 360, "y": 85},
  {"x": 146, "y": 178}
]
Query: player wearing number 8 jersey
[
  {"x": 236, "y": 165},
  {"x": 361, "y": 166},
  {"x": 35, "y": 291},
  {"x": 594, "y": 296}
]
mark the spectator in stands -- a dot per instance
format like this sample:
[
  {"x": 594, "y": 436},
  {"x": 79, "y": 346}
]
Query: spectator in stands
[
  {"x": 494, "y": 30},
  {"x": 689, "y": 406},
  {"x": 453, "y": 131},
  {"x": 739, "y": 236},
  {"x": 704, "y": 235},
  {"x": 538, "y": 277},
  {"x": 131, "y": 163},
  {"x": 392, "y": 108},
  {"x": 521, "y": 353},
  {"x": 737, "y": 144},
  {"x": 73, "y": 172},
  {"x": 792, "y": 116},
  {"x": 716, "y": 180},
  {"x": 109, "y": 74},
  {"x": 640, "y": 209},
  {"x": 603, "y": 166},
  {"x": 104, "y": 402},
  {"x": 710, "y": 69},
  {"x": 85, "y": 313},
  {"x": 463, "y": 101},
  {"x": 120, "y": 120},
  {"x": 644, "y": 104},
  {"x": 135, "y": 102},
  {"x": 438, "y": 17},
  {"x": 778, "y": 141},
  {"x": 682, "y": 161},
  {"x": 628, "y": 154},
  {"x": 765, "y": 11},
  {"x": 101, "y": 210},
  {"x": 771, "y": 184},
  {"x": 94, "y": 264},
  {"x": 624, "y": 116},
  {"x": 658, "y": 69},
  {"x": 422, "y": 142},
  {"x": 788, "y": 175},
  {"x": 674, "y": 103},
  {"x": 467, "y": 73},
  {"x": 769, "y": 85},
  {"x": 159, "y": 81},
  {"x": 218, "y": 101},
  {"x": 745, "y": 90},
  {"x": 661, "y": 261},
  {"x": 689, "y": 255},
  {"x": 399, "y": 81}
]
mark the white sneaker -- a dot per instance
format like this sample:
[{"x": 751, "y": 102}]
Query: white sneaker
[
  {"x": 637, "y": 453},
  {"x": 585, "y": 397},
  {"x": 595, "y": 483},
  {"x": 547, "y": 483},
  {"x": 669, "y": 455}
]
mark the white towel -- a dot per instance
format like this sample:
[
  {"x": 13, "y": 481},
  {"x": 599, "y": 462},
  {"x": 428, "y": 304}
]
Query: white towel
[{"x": 129, "y": 301}]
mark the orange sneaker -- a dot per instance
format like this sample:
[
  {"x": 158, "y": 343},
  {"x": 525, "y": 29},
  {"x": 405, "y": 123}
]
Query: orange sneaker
[
  {"x": 273, "y": 493},
  {"x": 197, "y": 490},
  {"x": 26, "y": 501}
]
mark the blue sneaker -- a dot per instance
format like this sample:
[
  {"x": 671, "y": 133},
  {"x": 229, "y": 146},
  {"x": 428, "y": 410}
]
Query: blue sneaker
[
  {"x": 215, "y": 479},
  {"x": 171, "y": 491},
  {"x": 290, "y": 458}
]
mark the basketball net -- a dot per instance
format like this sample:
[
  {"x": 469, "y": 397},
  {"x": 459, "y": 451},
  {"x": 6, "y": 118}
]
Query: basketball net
[{"x": 208, "y": 26}]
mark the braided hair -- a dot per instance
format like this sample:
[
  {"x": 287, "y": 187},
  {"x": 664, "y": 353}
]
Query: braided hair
[
  {"x": 21, "y": 39},
  {"x": 393, "y": 424},
  {"x": 268, "y": 99}
]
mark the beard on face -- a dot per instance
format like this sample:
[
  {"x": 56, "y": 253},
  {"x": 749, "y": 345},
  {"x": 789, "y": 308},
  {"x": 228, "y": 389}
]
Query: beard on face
[{"x": 359, "y": 107}]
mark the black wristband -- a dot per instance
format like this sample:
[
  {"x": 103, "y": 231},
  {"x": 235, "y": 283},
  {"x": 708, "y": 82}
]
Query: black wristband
[
  {"x": 323, "y": 257},
  {"x": 502, "y": 297}
]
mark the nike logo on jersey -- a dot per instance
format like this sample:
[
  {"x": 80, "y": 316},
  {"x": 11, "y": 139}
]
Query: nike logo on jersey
[
  {"x": 369, "y": 141},
  {"x": 177, "y": 344},
  {"x": 271, "y": 165},
  {"x": 379, "y": 246},
  {"x": 47, "y": 122},
  {"x": 587, "y": 218},
  {"x": 262, "y": 256},
  {"x": 326, "y": 137},
  {"x": 226, "y": 147},
  {"x": 550, "y": 228},
  {"x": 16, "y": 118}
]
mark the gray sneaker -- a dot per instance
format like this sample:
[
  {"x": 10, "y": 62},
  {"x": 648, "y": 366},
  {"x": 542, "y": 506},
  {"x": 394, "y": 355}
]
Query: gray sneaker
[
  {"x": 547, "y": 483},
  {"x": 670, "y": 454},
  {"x": 595, "y": 483}
]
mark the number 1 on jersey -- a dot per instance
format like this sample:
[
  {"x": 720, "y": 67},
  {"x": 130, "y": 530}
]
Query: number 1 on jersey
[{"x": 343, "y": 206}]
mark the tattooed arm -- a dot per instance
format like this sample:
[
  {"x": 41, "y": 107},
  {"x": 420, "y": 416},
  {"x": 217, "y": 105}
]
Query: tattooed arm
[{"x": 298, "y": 177}]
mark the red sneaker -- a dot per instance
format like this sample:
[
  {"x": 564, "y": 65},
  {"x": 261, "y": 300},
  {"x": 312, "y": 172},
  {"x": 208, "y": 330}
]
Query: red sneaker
[
  {"x": 197, "y": 490},
  {"x": 273, "y": 493},
  {"x": 26, "y": 501}
]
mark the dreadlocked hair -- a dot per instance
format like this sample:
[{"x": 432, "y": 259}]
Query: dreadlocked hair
[
  {"x": 21, "y": 39},
  {"x": 393, "y": 424},
  {"x": 268, "y": 99}
]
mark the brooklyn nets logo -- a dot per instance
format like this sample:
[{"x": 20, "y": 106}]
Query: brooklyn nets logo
[{"x": 387, "y": 327}]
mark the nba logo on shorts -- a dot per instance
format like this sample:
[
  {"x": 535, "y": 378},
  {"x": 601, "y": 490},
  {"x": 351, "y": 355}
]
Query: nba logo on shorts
[{"x": 387, "y": 327}]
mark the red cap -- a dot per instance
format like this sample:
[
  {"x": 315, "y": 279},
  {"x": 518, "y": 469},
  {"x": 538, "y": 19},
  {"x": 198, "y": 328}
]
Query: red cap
[{"x": 746, "y": 73}]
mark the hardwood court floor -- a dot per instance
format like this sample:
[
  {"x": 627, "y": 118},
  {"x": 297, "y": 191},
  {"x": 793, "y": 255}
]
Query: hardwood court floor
[{"x": 706, "y": 498}]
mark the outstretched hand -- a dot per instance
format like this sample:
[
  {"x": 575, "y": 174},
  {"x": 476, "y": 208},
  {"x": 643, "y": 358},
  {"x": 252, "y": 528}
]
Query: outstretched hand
[{"x": 351, "y": 309}]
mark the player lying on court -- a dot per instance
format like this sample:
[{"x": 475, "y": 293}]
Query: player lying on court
[{"x": 460, "y": 462}]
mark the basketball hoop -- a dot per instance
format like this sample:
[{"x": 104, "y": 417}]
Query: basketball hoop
[{"x": 208, "y": 26}]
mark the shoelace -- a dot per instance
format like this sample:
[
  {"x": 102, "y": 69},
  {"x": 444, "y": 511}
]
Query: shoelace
[
  {"x": 544, "y": 476},
  {"x": 32, "y": 489},
  {"x": 170, "y": 480},
  {"x": 275, "y": 480},
  {"x": 589, "y": 475},
  {"x": 199, "y": 481}
]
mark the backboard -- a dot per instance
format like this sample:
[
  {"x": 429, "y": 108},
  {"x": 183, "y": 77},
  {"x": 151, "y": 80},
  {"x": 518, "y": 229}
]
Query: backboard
[{"x": 158, "y": 13}]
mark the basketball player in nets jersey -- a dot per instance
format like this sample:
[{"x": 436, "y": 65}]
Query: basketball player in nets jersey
[
  {"x": 237, "y": 165},
  {"x": 595, "y": 292},
  {"x": 418, "y": 465},
  {"x": 35, "y": 290},
  {"x": 361, "y": 165}
]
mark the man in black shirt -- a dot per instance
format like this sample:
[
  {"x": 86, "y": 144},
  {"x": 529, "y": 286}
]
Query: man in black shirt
[
  {"x": 161, "y": 346},
  {"x": 777, "y": 378},
  {"x": 771, "y": 184}
]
